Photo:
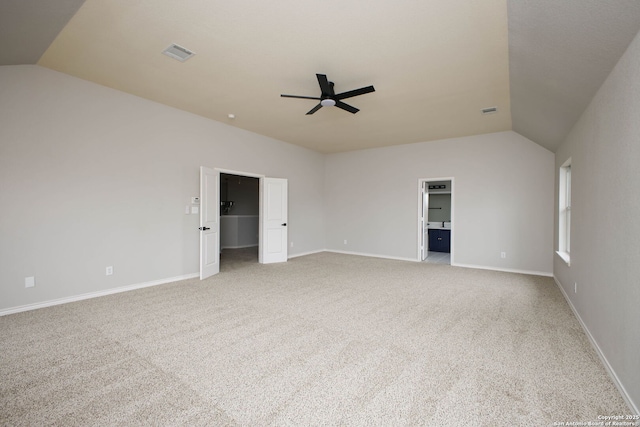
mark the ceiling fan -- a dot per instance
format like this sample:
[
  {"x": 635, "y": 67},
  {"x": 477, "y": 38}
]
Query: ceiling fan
[{"x": 328, "y": 97}]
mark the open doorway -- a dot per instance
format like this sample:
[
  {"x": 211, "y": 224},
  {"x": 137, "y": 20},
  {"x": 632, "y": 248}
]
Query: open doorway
[
  {"x": 272, "y": 225},
  {"x": 435, "y": 225},
  {"x": 239, "y": 220}
]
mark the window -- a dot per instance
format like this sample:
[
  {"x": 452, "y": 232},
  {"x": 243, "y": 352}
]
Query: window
[{"x": 564, "y": 212}]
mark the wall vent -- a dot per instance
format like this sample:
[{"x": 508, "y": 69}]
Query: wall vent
[
  {"x": 178, "y": 52},
  {"x": 489, "y": 110}
]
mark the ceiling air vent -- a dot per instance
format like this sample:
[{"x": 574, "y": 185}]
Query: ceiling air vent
[
  {"x": 489, "y": 110},
  {"x": 178, "y": 52}
]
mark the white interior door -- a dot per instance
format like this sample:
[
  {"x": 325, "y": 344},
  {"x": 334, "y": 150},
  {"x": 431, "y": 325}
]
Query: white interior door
[
  {"x": 273, "y": 217},
  {"x": 424, "y": 218},
  {"x": 209, "y": 222}
]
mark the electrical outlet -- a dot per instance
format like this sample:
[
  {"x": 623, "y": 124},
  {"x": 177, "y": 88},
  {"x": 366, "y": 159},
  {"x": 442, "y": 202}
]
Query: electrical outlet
[
  {"x": 187, "y": 209},
  {"x": 29, "y": 282},
  {"x": 109, "y": 271},
  {"x": 503, "y": 254},
  {"x": 345, "y": 241},
  {"x": 291, "y": 244}
]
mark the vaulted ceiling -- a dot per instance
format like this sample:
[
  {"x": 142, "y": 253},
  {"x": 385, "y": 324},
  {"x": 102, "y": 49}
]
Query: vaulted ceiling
[{"x": 434, "y": 63}]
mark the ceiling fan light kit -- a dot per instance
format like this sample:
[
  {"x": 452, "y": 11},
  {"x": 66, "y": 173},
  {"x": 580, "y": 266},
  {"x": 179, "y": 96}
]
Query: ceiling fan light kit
[
  {"x": 328, "y": 102},
  {"x": 328, "y": 97}
]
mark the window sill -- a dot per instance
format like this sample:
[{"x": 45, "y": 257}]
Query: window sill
[{"x": 565, "y": 257}]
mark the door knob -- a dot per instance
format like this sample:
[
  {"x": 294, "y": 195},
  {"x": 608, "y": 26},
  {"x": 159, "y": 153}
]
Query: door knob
[
  {"x": 204, "y": 228},
  {"x": 284, "y": 224}
]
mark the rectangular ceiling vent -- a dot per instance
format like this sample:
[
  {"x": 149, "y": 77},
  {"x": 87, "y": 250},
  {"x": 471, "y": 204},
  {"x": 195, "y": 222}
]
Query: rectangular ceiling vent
[
  {"x": 178, "y": 52},
  {"x": 489, "y": 110}
]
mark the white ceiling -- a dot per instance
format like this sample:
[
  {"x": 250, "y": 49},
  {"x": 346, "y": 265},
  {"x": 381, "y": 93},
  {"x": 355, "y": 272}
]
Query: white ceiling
[
  {"x": 434, "y": 63},
  {"x": 560, "y": 52},
  {"x": 27, "y": 27}
]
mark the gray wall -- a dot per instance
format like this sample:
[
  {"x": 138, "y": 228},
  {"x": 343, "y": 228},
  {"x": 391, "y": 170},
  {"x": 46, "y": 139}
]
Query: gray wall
[
  {"x": 439, "y": 208},
  {"x": 243, "y": 191},
  {"x": 92, "y": 177},
  {"x": 238, "y": 231},
  {"x": 239, "y": 227},
  {"x": 502, "y": 200},
  {"x": 604, "y": 148}
]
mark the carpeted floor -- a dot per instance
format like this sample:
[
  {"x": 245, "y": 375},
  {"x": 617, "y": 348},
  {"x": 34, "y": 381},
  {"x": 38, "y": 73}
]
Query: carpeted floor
[{"x": 325, "y": 339}]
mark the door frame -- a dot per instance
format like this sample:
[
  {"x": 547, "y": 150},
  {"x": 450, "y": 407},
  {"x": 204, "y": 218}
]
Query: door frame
[
  {"x": 260, "y": 211},
  {"x": 421, "y": 182},
  {"x": 423, "y": 208}
]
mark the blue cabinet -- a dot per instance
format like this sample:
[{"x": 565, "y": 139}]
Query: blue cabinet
[{"x": 439, "y": 240}]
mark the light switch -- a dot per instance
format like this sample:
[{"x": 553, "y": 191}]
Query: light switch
[
  {"x": 194, "y": 209},
  {"x": 186, "y": 209},
  {"x": 29, "y": 282}
]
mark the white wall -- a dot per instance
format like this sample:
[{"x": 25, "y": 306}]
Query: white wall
[
  {"x": 604, "y": 147},
  {"x": 502, "y": 201},
  {"x": 91, "y": 177},
  {"x": 239, "y": 231}
]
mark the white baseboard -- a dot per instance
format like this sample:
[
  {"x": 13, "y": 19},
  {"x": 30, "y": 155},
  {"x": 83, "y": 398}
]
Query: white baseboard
[
  {"x": 506, "y": 270},
  {"x": 632, "y": 406},
  {"x": 239, "y": 247},
  {"x": 81, "y": 297},
  {"x": 305, "y": 253},
  {"x": 371, "y": 255}
]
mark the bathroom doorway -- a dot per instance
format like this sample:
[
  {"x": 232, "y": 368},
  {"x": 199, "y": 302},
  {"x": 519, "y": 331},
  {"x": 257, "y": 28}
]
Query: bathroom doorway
[{"x": 435, "y": 215}]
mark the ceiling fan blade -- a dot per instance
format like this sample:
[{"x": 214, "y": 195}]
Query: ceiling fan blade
[
  {"x": 324, "y": 84},
  {"x": 355, "y": 92},
  {"x": 314, "y": 109},
  {"x": 346, "y": 107},
  {"x": 301, "y": 97}
]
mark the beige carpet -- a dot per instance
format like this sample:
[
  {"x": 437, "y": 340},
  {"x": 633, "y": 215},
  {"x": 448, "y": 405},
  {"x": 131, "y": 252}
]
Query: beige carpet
[{"x": 325, "y": 339}]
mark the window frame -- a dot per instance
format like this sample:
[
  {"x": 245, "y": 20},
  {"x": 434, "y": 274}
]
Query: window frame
[{"x": 564, "y": 212}]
